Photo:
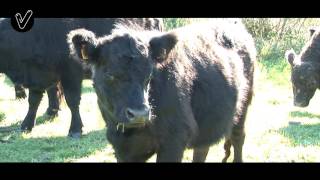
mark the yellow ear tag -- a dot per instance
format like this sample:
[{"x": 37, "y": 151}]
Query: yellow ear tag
[{"x": 83, "y": 53}]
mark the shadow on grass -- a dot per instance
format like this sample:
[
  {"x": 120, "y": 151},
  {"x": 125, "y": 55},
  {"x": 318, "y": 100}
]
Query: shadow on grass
[
  {"x": 12, "y": 128},
  {"x": 303, "y": 114},
  {"x": 50, "y": 149},
  {"x": 302, "y": 134},
  {"x": 16, "y": 126}
]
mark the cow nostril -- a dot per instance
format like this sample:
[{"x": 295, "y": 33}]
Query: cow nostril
[{"x": 130, "y": 114}]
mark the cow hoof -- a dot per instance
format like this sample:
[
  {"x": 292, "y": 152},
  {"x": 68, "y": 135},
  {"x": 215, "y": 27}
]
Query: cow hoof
[
  {"x": 75, "y": 135},
  {"x": 25, "y": 130}
]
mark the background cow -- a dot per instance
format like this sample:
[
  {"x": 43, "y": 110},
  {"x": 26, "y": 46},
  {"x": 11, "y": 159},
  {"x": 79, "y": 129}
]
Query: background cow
[
  {"x": 305, "y": 69},
  {"x": 163, "y": 92},
  {"x": 39, "y": 59}
]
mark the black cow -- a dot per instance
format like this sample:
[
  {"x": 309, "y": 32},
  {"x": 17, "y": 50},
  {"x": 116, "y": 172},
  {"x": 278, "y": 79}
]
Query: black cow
[
  {"x": 39, "y": 59},
  {"x": 54, "y": 94},
  {"x": 163, "y": 92},
  {"x": 54, "y": 98},
  {"x": 305, "y": 70}
]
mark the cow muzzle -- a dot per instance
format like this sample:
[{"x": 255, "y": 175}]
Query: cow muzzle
[{"x": 136, "y": 119}]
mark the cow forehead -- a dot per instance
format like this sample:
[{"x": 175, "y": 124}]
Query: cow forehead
[{"x": 127, "y": 45}]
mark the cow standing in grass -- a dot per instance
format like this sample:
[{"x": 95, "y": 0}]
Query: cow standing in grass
[
  {"x": 38, "y": 59},
  {"x": 305, "y": 70},
  {"x": 54, "y": 93},
  {"x": 164, "y": 92}
]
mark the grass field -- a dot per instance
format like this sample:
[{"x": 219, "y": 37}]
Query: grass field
[{"x": 276, "y": 130}]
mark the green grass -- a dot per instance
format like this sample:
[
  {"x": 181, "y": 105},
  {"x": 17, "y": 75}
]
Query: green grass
[
  {"x": 276, "y": 131},
  {"x": 302, "y": 114},
  {"x": 302, "y": 135}
]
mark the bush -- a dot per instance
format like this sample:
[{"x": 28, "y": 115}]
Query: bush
[
  {"x": 273, "y": 36},
  {"x": 172, "y": 23}
]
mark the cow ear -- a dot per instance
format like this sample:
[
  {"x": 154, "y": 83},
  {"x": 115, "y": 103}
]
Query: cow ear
[
  {"x": 161, "y": 46},
  {"x": 290, "y": 55},
  {"x": 83, "y": 45},
  {"x": 312, "y": 30}
]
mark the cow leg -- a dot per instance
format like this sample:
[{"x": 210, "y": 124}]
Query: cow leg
[
  {"x": 72, "y": 92},
  {"x": 200, "y": 154},
  {"x": 237, "y": 140},
  {"x": 20, "y": 92},
  {"x": 238, "y": 131},
  {"x": 227, "y": 152},
  {"x": 171, "y": 151},
  {"x": 34, "y": 101},
  {"x": 54, "y": 102}
]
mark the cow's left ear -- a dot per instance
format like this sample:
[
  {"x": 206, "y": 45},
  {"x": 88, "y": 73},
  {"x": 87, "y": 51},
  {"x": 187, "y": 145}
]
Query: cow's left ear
[
  {"x": 83, "y": 44},
  {"x": 312, "y": 30},
  {"x": 161, "y": 46},
  {"x": 290, "y": 55}
]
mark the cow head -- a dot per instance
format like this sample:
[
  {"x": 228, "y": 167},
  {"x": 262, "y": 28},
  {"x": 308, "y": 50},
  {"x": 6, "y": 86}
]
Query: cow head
[
  {"x": 123, "y": 65},
  {"x": 304, "y": 79}
]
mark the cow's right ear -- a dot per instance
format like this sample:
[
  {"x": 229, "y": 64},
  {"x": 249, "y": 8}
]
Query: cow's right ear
[
  {"x": 83, "y": 44},
  {"x": 290, "y": 55}
]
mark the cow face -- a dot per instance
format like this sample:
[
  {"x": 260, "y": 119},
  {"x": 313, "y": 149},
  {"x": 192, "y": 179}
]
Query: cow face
[{"x": 123, "y": 66}]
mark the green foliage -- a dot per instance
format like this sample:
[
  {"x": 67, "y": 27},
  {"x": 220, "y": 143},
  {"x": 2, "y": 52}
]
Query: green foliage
[
  {"x": 2, "y": 116},
  {"x": 259, "y": 27},
  {"x": 274, "y": 36},
  {"x": 172, "y": 23}
]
